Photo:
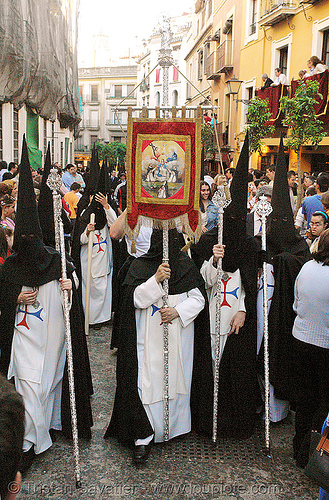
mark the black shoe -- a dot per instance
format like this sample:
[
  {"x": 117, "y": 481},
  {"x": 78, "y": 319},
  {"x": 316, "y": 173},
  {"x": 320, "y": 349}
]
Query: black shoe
[
  {"x": 141, "y": 453},
  {"x": 26, "y": 460},
  {"x": 54, "y": 434},
  {"x": 97, "y": 326}
]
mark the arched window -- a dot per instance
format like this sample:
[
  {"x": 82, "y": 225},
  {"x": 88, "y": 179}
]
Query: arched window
[{"x": 157, "y": 99}]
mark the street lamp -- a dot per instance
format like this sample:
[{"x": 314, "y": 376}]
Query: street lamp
[{"x": 234, "y": 86}]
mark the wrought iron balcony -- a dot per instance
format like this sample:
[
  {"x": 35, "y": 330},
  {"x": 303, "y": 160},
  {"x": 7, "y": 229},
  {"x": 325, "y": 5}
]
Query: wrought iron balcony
[
  {"x": 119, "y": 98},
  {"x": 115, "y": 124},
  {"x": 91, "y": 99},
  {"x": 224, "y": 57},
  {"x": 210, "y": 67},
  {"x": 92, "y": 124},
  {"x": 275, "y": 11}
]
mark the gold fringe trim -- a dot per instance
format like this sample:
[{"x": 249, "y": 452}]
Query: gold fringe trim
[{"x": 177, "y": 222}]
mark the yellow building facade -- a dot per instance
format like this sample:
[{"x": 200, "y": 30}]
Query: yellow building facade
[{"x": 283, "y": 34}]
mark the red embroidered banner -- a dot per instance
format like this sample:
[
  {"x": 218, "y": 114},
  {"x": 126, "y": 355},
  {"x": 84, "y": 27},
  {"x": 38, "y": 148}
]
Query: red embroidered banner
[{"x": 163, "y": 169}]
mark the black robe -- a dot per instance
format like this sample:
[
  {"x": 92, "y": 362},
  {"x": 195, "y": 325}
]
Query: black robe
[
  {"x": 82, "y": 378},
  {"x": 286, "y": 267},
  {"x": 129, "y": 420},
  {"x": 238, "y": 386}
]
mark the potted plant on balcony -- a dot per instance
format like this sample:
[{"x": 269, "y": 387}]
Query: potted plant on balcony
[
  {"x": 305, "y": 127},
  {"x": 258, "y": 124}
]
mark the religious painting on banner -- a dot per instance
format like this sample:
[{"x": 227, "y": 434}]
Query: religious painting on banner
[{"x": 163, "y": 173}]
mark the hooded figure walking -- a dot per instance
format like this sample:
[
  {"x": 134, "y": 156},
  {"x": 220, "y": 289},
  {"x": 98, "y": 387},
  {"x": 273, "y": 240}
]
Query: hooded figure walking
[
  {"x": 100, "y": 310},
  {"x": 138, "y": 407},
  {"x": 286, "y": 253},
  {"x": 238, "y": 388},
  {"x": 32, "y": 331}
]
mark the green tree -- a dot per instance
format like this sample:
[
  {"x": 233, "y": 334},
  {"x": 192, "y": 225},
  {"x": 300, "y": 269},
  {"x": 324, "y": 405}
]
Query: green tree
[
  {"x": 258, "y": 117},
  {"x": 114, "y": 152},
  {"x": 305, "y": 127},
  {"x": 207, "y": 138}
]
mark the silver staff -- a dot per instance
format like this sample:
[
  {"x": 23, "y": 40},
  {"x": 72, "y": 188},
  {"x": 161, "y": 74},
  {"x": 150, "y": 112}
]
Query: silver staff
[
  {"x": 165, "y": 285},
  {"x": 54, "y": 182},
  {"x": 264, "y": 208},
  {"x": 221, "y": 200}
]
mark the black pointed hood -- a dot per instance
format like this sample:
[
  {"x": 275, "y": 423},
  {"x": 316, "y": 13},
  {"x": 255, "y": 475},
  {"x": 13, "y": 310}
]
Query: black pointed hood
[
  {"x": 91, "y": 182},
  {"x": 46, "y": 208},
  {"x": 103, "y": 186},
  {"x": 234, "y": 232},
  {"x": 31, "y": 263},
  {"x": 27, "y": 220},
  {"x": 236, "y": 213},
  {"x": 45, "y": 205},
  {"x": 94, "y": 172},
  {"x": 281, "y": 232}
]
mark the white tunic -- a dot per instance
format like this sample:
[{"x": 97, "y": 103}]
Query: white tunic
[
  {"x": 233, "y": 296},
  {"x": 101, "y": 271},
  {"x": 148, "y": 301},
  {"x": 37, "y": 363},
  {"x": 278, "y": 408}
]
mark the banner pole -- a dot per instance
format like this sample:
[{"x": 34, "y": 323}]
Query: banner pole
[{"x": 165, "y": 285}]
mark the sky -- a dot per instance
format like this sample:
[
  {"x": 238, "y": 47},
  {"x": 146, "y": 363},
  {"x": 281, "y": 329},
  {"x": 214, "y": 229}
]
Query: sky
[{"x": 122, "y": 21}]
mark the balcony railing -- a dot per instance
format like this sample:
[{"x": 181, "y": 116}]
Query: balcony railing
[
  {"x": 81, "y": 148},
  {"x": 273, "y": 95},
  {"x": 274, "y": 11},
  {"x": 94, "y": 124},
  {"x": 94, "y": 99},
  {"x": 111, "y": 97},
  {"x": 210, "y": 66},
  {"x": 115, "y": 123},
  {"x": 224, "y": 57}
]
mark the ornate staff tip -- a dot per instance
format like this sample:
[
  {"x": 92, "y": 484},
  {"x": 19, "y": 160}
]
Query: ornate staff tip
[{"x": 54, "y": 180}]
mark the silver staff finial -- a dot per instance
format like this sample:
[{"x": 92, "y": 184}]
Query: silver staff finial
[
  {"x": 263, "y": 207},
  {"x": 54, "y": 180}
]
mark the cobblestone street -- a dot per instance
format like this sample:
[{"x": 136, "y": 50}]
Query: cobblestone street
[{"x": 186, "y": 468}]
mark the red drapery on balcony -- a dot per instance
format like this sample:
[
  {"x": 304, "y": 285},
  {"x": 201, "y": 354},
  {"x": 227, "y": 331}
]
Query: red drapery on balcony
[
  {"x": 321, "y": 108},
  {"x": 274, "y": 94}
]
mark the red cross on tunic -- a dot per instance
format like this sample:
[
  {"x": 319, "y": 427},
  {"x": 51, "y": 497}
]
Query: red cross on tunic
[
  {"x": 37, "y": 314},
  {"x": 225, "y": 293},
  {"x": 99, "y": 243}
]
